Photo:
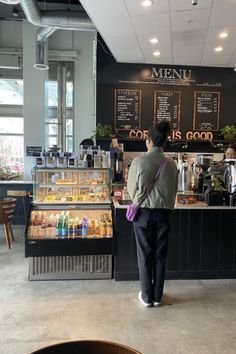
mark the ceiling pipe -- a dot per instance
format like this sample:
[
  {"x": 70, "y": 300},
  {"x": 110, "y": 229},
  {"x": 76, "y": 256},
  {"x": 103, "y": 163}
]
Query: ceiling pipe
[
  {"x": 50, "y": 21},
  {"x": 43, "y": 33},
  {"x": 10, "y": 2},
  {"x": 67, "y": 20}
]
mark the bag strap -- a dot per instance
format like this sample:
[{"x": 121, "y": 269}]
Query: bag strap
[{"x": 162, "y": 163}]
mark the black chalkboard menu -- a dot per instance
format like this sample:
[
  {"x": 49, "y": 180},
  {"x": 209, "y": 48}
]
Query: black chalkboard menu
[
  {"x": 33, "y": 150},
  {"x": 127, "y": 109},
  {"x": 206, "y": 110},
  {"x": 167, "y": 106}
]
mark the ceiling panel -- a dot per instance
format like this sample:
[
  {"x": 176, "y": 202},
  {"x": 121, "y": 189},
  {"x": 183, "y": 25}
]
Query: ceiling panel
[
  {"x": 189, "y": 37},
  {"x": 190, "y": 20},
  {"x": 209, "y": 49},
  {"x": 224, "y": 3},
  {"x": 135, "y": 7},
  {"x": 150, "y": 23},
  {"x": 177, "y": 5},
  {"x": 213, "y": 35},
  {"x": 223, "y": 16},
  {"x": 189, "y": 50}
]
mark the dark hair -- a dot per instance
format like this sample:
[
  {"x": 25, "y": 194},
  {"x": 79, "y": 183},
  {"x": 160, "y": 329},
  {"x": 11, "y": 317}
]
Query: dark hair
[
  {"x": 159, "y": 132},
  {"x": 87, "y": 142},
  {"x": 231, "y": 146}
]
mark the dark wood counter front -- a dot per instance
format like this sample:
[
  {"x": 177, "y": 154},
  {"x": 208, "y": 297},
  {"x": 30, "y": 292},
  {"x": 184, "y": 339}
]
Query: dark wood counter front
[{"x": 202, "y": 245}]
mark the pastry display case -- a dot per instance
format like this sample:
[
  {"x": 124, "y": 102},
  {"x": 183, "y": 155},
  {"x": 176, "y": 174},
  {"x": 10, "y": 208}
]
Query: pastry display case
[
  {"x": 72, "y": 185},
  {"x": 69, "y": 234},
  {"x": 189, "y": 199}
]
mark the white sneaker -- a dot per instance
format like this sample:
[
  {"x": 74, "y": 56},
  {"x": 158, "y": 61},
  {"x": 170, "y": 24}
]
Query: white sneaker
[
  {"x": 156, "y": 304},
  {"x": 145, "y": 304}
]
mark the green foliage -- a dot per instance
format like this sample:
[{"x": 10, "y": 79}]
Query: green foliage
[
  {"x": 217, "y": 184},
  {"x": 229, "y": 131},
  {"x": 103, "y": 131}
]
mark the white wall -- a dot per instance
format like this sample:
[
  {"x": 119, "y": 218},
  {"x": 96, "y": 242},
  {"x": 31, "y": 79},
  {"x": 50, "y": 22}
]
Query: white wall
[
  {"x": 22, "y": 35},
  {"x": 34, "y": 97},
  {"x": 11, "y": 34},
  {"x": 85, "y": 83}
]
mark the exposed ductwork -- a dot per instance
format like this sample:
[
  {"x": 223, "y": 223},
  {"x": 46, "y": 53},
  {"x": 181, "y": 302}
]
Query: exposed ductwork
[
  {"x": 10, "y": 2},
  {"x": 68, "y": 20},
  {"x": 43, "y": 33},
  {"x": 50, "y": 21}
]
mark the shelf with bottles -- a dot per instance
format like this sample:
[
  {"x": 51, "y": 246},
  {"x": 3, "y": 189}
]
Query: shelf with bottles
[
  {"x": 70, "y": 224},
  {"x": 66, "y": 185}
]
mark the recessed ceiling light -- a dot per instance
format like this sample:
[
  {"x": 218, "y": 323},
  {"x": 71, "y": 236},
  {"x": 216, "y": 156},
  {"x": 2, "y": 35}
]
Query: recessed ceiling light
[
  {"x": 223, "y": 35},
  {"x": 157, "y": 53},
  {"x": 154, "y": 40},
  {"x": 147, "y": 3},
  {"x": 218, "y": 49}
]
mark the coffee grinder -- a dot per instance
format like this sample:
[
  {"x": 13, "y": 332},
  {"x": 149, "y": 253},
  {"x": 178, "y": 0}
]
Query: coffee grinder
[{"x": 204, "y": 161}]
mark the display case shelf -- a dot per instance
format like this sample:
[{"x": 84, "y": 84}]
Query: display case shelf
[{"x": 71, "y": 185}]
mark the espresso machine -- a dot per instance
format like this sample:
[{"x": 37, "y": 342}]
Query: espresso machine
[
  {"x": 230, "y": 179},
  {"x": 204, "y": 161}
]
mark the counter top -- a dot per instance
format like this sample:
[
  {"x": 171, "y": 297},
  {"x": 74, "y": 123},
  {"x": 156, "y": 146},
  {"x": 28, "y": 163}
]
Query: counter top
[
  {"x": 12, "y": 181},
  {"x": 189, "y": 206}
]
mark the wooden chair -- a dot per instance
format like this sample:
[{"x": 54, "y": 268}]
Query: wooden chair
[
  {"x": 87, "y": 347},
  {"x": 7, "y": 207}
]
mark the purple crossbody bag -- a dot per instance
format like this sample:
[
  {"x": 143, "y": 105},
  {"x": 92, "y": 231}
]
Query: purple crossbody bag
[{"x": 132, "y": 209}]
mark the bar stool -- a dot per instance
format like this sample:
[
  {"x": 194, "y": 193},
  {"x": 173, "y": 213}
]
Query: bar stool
[
  {"x": 87, "y": 347},
  {"x": 7, "y": 207}
]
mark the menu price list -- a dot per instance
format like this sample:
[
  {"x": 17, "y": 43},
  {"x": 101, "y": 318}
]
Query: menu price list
[
  {"x": 167, "y": 106},
  {"x": 206, "y": 110},
  {"x": 127, "y": 109}
]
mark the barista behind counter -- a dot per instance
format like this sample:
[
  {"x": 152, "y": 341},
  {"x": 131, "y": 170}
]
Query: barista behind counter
[
  {"x": 227, "y": 170},
  {"x": 220, "y": 166}
]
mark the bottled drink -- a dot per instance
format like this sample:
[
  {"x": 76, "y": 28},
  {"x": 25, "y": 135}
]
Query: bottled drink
[
  {"x": 70, "y": 230},
  {"x": 79, "y": 229},
  {"x": 84, "y": 227},
  {"x": 59, "y": 226}
]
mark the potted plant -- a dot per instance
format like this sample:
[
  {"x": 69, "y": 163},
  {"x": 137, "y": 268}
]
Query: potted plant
[
  {"x": 216, "y": 194},
  {"x": 103, "y": 131},
  {"x": 229, "y": 132}
]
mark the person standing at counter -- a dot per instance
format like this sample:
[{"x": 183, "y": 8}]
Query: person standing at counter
[{"x": 152, "y": 224}]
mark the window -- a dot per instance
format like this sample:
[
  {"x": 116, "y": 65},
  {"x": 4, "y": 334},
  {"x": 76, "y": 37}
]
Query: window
[
  {"x": 54, "y": 127},
  {"x": 11, "y": 92},
  {"x": 11, "y": 128}
]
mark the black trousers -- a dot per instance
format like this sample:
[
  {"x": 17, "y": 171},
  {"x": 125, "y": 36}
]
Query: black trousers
[{"x": 151, "y": 229}]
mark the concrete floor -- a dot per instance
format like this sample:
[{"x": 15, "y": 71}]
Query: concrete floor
[{"x": 197, "y": 317}]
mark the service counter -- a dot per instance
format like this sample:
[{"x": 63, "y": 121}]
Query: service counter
[
  {"x": 202, "y": 244},
  {"x": 22, "y": 191}
]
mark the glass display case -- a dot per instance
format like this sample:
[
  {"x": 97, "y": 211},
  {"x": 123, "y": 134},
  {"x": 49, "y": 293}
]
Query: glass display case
[
  {"x": 71, "y": 216},
  {"x": 190, "y": 198},
  {"x": 72, "y": 185},
  {"x": 70, "y": 224}
]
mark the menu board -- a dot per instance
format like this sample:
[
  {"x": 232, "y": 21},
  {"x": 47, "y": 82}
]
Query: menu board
[
  {"x": 127, "y": 109},
  {"x": 167, "y": 106},
  {"x": 33, "y": 150},
  {"x": 206, "y": 110}
]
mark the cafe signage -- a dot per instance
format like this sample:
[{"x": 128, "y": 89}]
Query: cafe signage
[{"x": 175, "y": 135}]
